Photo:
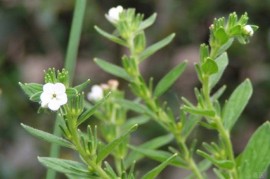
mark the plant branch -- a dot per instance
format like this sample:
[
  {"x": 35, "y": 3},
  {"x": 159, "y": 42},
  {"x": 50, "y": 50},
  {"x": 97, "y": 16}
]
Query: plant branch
[
  {"x": 161, "y": 116},
  {"x": 70, "y": 62}
]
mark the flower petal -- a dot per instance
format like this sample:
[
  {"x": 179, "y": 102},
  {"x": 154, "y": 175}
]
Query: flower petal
[
  {"x": 45, "y": 98},
  {"x": 62, "y": 98},
  {"x": 48, "y": 88},
  {"x": 59, "y": 88},
  {"x": 54, "y": 105}
]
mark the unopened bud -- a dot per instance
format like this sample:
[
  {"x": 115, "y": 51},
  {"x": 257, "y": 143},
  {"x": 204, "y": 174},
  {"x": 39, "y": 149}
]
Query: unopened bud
[{"x": 248, "y": 30}]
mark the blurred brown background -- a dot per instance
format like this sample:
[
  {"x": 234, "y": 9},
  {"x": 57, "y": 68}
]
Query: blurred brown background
[{"x": 34, "y": 35}]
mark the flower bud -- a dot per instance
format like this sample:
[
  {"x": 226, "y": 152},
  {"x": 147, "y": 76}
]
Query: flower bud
[
  {"x": 113, "y": 84},
  {"x": 248, "y": 30}
]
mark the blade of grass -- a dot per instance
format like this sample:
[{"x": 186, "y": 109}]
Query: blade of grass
[
  {"x": 70, "y": 62},
  {"x": 74, "y": 37},
  {"x": 55, "y": 148}
]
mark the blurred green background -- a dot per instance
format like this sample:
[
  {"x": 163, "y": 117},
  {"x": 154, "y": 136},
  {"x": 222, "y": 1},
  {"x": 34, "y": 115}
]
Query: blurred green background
[{"x": 34, "y": 35}]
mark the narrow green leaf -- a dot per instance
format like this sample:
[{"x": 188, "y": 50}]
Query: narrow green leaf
[
  {"x": 31, "y": 89},
  {"x": 255, "y": 158},
  {"x": 160, "y": 156},
  {"x": 199, "y": 72},
  {"x": 197, "y": 111},
  {"x": 152, "y": 144},
  {"x": 168, "y": 80},
  {"x": 209, "y": 67},
  {"x": 89, "y": 112},
  {"x": 225, "y": 164},
  {"x": 48, "y": 137},
  {"x": 82, "y": 86},
  {"x": 236, "y": 104},
  {"x": 135, "y": 106},
  {"x": 155, "y": 47},
  {"x": 189, "y": 124},
  {"x": 106, "y": 150},
  {"x": 154, "y": 172},
  {"x": 66, "y": 166},
  {"x": 71, "y": 92},
  {"x": 142, "y": 119},
  {"x": 109, "y": 170},
  {"x": 202, "y": 166},
  {"x": 222, "y": 63},
  {"x": 148, "y": 22},
  {"x": 204, "y": 52},
  {"x": 219, "y": 174},
  {"x": 36, "y": 97},
  {"x": 218, "y": 93},
  {"x": 110, "y": 37},
  {"x": 112, "y": 69}
]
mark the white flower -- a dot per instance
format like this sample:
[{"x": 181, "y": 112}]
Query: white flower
[
  {"x": 96, "y": 93},
  {"x": 53, "y": 96},
  {"x": 113, "y": 14},
  {"x": 248, "y": 30}
]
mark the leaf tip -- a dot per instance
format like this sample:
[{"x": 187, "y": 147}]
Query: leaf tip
[
  {"x": 39, "y": 158},
  {"x": 173, "y": 35}
]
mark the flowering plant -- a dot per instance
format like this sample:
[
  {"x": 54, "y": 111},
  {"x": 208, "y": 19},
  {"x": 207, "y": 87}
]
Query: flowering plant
[{"x": 108, "y": 104}]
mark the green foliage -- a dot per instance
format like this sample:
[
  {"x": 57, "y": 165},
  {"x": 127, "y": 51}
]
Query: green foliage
[
  {"x": 47, "y": 136},
  {"x": 222, "y": 62},
  {"x": 106, "y": 150},
  {"x": 168, "y": 80},
  {"x": 112, "y": 69},
  {"x": 255, "y": 159},
  {"x": 151, "y": 144},
  {"x": 236, "y": 104},
  {"x": 209, "y": 67},
  {"x": 31, "y": 89},
  {"x": 89, "y": 112},
  {"x": 110, "y": 37},
  {"x": 155, "y": 47},
  {"x": 69, "y": 167},
  {"x": 154, "y": 172},
  {"x": 110, "y": 139},
  {"x": 160, "y": 155},
  {"x": 148, "y": 22}
]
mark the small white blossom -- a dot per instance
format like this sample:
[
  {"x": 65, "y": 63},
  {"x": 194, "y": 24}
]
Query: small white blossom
[
  {"x": 53, "y": 96},
  {"x": 113, "y": 14},
  {"x": 248, "y": 30},
  {"x": 95, "y": 94}
]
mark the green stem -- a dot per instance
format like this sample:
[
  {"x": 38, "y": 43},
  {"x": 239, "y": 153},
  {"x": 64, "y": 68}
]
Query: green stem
[
  {"x": 70, "y": 62},
  {"x": 224, "y": 134},
  {"x": 74, "y": 38},
  {"x": 55, "y": 148},
  {"x": 187, "y": 156},
  {"x": 86, "y": 158},
  {"x": 225, "y": 137},
  {"x": 161, "y": 116}
]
